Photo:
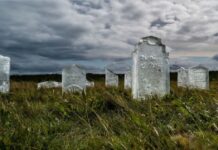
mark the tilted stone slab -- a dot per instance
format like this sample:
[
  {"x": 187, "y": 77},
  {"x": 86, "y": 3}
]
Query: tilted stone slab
[
  {"x": 111, "y": 79},
  {"x": 151, "y": 74},
  {"x": 4, "y": 74},
  {"x": 74, "y": 79},
  {"x": 49, "y": 84}
]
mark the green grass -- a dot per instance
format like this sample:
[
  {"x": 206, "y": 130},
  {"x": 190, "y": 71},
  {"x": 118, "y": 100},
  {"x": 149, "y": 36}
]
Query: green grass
[{"x": 107, "y": 118}]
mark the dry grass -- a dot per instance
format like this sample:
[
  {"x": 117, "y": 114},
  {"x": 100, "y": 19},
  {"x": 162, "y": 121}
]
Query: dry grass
[{"x": 107, "y": 118}]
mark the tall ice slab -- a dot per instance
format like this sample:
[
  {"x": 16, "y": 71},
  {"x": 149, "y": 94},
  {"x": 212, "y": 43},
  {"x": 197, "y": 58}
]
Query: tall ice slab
[
  {"x": 4, "y": 74},
  {"x": 150, "y": 70},
  {"x": 74, "y": 79}
]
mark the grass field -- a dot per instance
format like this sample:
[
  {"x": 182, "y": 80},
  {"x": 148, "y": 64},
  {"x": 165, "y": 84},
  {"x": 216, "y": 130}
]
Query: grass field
[{"x": 107, "y": 118}]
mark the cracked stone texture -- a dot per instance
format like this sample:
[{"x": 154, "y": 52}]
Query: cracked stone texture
[
  {"x": 182, "y": 78},
  {"x": 150, "y": 70},
  {"x": 74, "y": 79},
  {"x": 199, "y": 77},
  {"x": 4, "y": 74}
]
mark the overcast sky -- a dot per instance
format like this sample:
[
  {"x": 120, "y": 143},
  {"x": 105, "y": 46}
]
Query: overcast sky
[{"x": 45, "y": 35}]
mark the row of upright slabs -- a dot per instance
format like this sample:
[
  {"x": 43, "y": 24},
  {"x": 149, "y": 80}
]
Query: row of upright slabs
[{"x": 149, "y": 74}]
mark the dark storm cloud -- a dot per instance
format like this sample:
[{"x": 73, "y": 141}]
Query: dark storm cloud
[
  {"x": 184, "y": 29},
  {"x": 215, "y": 57},
  {"x": 108, "y": 26},
  {"x": 159, "y": 23},
  {"x": 216, "y": 34},
  {"x": 44, "y": 35},
  {"x": 35, "y": 68}
]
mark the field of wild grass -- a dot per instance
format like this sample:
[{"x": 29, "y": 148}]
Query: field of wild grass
[{"x": 107, "y": 118}]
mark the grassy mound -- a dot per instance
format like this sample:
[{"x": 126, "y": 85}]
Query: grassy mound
[{"x": 107, "y": 118}]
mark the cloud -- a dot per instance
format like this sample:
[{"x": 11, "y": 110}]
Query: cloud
[
  {"x": 194, "y": 61},
  {"x": 158, "y": 23},
  {"x": 215, "y": 57},
  {"x": 45, "y": 35}
]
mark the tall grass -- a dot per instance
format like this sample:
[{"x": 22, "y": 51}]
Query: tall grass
[{"x": 107, "y": 118}]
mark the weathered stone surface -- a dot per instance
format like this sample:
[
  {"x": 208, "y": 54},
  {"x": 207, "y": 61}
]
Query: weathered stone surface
[
  {"x": 4, "y": 74},
  {"x": 199, "y": 77},
  {"x": 111, "y": 79},
  {"x": 151, "y": 75},
  {"x": 74, "y": 79},
  {"x": 134, "y": 74},
  {"x": 90, "y": 84},
  {"x": 182, "y": 78},
  {"x": 128, "y": 80},
  {"x": 49, "y": 84}
]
